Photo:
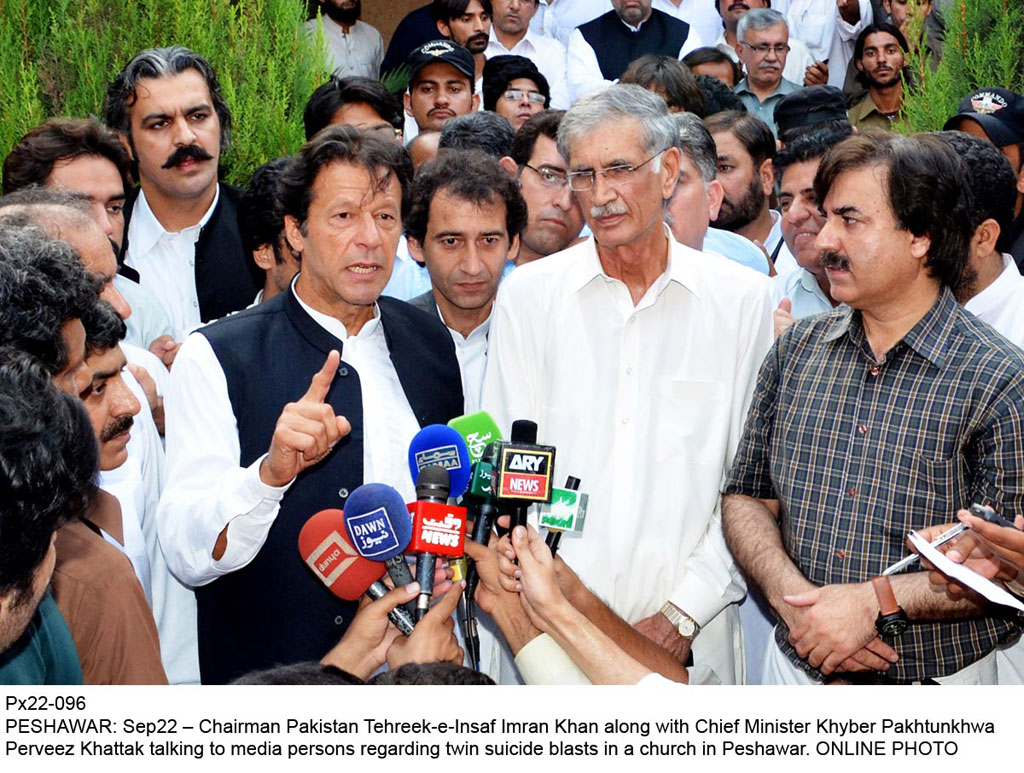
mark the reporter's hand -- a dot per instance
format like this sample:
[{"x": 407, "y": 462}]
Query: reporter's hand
[
  {"x": 502, "y": 605},
  {"x": 363, "y": 647},
  {"x": 433, "y": 639},
  {"x": 536, "y": 583},
  {"x": 306, "y": 431}
]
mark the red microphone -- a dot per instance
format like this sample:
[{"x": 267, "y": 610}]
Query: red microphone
[
  {"x": 438, "y": 529},
  {"x": 326, "y": 549}
]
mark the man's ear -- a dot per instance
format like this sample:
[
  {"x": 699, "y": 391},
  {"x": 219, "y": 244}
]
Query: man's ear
[
  {"x": 444, "y": 29},
  {"x": 985, "y": 237},
  {"x": 293, "y": 233},
  {"x": 920, "y": 246},
  {"x": 670, "y": 164},
  {"x": 767, "y": 174},
  {"x": 716, "y": 194},
  {"x": 415, "y": 249},
  {"x": 509, "y": 165},
  {"x": 476, "y": 101},
  {"x": 407, "y": 101},
  {"x": 513, "y": 250},
  {"x": 264, "y": 256}
]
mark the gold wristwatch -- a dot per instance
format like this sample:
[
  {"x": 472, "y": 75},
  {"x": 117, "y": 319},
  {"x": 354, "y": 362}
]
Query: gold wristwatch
[{"x": 685, "y": 625}]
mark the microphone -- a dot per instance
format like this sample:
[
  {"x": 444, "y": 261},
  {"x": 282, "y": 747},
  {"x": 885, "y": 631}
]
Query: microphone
[
  {"x": 567, "y": 512},
  {"x": 378, "y": 521},
  {"x": 438, "y": 445},
  {"x": 478, "y": 430},
  {"x": 438, "y": 529},
  {"x": 326, "y": 549},
  {"x": 524, "y": 471}
]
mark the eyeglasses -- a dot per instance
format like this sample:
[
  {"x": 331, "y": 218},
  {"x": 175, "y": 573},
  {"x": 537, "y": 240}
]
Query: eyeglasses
[
  {"x": 616, "y": 176},
  {"x": 762, "y": 49},
  {"x": 514, "y": 95},
  {"x": 550, "y": 178}
]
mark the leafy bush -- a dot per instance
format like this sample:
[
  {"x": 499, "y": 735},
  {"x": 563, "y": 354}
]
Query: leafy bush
[
  {"x": 984, "y": 46},
  {"x": 57, "y": 56}
]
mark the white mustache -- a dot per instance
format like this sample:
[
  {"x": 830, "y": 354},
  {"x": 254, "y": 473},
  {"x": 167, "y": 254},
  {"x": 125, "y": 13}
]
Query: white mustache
[{"x": 608, "y": 209}]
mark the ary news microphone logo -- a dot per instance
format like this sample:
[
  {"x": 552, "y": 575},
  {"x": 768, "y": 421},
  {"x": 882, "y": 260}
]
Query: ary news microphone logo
[
  {"x": 332, "y": 558},
  {"x": 567, "y": 511},
  {"x": 442, "y": 456},
  {"x": 372, "y": 533},
  {"x": 525, "y": 474},
  {"x": 445, "y": 533}
]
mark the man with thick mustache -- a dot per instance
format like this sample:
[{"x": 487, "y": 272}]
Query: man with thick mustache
[
  {"x": 648, "y": 420},
  {"x": 879, "y": 56},
  {"x": 885, "y": 415},
  {"x": 181, "y": 230},
  {"x": 762, "y": 44},
  {"x": 354, "y": 47}
]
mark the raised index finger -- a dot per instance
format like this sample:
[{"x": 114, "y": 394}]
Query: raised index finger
[{"x": 322, "y": 380}]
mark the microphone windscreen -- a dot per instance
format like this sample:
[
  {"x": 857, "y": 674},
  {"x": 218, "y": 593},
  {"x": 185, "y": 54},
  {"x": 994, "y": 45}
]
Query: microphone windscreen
[
  {"x": 477, "y": 429},
  {"x": 438, "y": 445},
  {"x": 524, "y": 431},
  {"x": 378, "y": 522},
  {"x": 325, "y": 547}
]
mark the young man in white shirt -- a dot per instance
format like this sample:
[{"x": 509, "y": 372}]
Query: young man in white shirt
[{"x": 511, "y": 34}]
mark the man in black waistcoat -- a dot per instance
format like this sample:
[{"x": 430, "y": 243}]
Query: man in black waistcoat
[
  {"x": 181, "y": 230},
  {"x": 601, "y": 50},
  {"x": 255, "y": 447}
]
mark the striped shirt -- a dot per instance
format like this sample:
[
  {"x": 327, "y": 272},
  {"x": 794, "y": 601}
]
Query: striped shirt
[{"x": 858, "y": 451}]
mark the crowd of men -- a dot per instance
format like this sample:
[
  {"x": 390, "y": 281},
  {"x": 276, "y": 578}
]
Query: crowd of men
[{"x": 771, "y": 336}]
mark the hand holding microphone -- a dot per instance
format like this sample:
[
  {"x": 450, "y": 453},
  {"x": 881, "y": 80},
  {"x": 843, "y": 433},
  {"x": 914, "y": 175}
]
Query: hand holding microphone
[
  {"x": 434, "y": 638},
  {"x": 306, "y": 431}
]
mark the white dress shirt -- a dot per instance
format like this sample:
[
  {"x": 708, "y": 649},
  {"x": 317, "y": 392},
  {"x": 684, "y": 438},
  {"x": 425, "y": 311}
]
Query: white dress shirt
[
  {"x": 1001, "y": 304},
  {"x": 471, "y": 351},
  {"x": 166, "y": 263},
  {"x": 207, "y": 490},
  {"x": 813, "y": 22},
  {"x": 797, "y": 60},
  {"x": 558, "y": 18},
  {"x": 699, "y": 14},
  {"x": 148, "y": 320},
  {"x": 804, "y": 292},
  {"x": 843, "y": 43},
  {"x": 356, "y": 52},
  {"x": 645, "y": 403},
  {"x": 549, "y": 56},
  {"x": 584, "y": 71},
  {"x": 408, "y": 278}
]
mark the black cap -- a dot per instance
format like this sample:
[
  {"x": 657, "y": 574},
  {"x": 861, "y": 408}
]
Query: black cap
[
  {"x": 442, "y": 51},
  {"x": 809, "y": 106},
  {"x": 998, "y": 111}
]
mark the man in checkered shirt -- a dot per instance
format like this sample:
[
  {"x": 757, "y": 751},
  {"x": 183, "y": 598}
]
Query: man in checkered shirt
[{"x": 885, "y": 415}]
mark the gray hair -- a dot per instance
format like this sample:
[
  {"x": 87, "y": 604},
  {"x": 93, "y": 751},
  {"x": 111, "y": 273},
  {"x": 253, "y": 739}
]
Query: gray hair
[
  {"x": 695, "y": 141},
  {"x": 161, "y": 63},
  {"x": 478, "y": 130},
  {"x": 619, "y": 103},
  {"x": 47, "y": 208},
  {"x": 757, "y": 20}
]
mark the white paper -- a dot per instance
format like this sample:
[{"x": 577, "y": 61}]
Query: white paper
[{"x": 963, "y": 574}]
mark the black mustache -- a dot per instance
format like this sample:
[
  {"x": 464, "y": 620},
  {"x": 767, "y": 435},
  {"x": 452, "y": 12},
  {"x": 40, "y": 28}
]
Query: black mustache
[
  {"x": 184, "y": 154},
  {"x": 830, "y": 259},
  {"x": 120, "y": 426}
]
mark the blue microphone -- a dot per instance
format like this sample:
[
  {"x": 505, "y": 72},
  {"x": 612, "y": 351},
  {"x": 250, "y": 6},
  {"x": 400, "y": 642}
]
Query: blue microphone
[
  {"x": 438, "y": 445},
  {"x": 379, "y": 525}
]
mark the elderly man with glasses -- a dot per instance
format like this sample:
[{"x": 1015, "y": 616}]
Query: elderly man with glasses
[
  {"x": 637, "y": 356},
  {"x": 762, "y": 43}
]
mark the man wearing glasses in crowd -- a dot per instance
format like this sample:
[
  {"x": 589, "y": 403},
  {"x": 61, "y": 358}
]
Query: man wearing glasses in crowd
[
  {"x": 648, "y": 420},
  {"x": 762, "y": 43}
]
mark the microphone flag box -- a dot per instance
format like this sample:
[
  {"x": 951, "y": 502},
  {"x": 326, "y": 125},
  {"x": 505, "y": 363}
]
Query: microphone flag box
[
  {"x": 437, "y": 528},
  {"x": 525, "y": 471},
  {"x": 566, "y": 512},
  {"x": 372, "y": 535},
  {"x": 481, "y": 481}
]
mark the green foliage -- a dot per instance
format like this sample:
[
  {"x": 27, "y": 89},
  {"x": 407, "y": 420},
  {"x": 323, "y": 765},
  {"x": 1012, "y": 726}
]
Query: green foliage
[
  {"x": 984, "y": 46},
  {"x": 57, "y": 57}
]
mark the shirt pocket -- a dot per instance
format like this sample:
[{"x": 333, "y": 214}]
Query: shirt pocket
[{"x": 689, "y": 422}]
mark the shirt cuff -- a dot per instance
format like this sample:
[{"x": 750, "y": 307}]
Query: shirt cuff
[
  {"x": 542, "y": 661},
  {"x": 698, "y": 600},
  {"x": 257, "y": 505}
]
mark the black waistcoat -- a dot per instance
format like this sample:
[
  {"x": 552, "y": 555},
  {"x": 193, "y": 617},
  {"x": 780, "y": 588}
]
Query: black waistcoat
[
  {"x": 616, "y": 45},
  {"x": 275, "y": 611},
  {"x": 227, "y": 278}
]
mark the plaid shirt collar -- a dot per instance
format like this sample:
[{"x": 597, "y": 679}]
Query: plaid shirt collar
[{"x": 929, "y": 337}]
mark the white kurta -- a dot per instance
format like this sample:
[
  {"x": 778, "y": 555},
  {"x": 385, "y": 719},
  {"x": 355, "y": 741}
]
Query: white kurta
[{"x": 646, "y": 405}]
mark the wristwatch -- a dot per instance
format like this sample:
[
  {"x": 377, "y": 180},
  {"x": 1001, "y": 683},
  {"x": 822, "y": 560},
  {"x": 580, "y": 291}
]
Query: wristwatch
[
  {"x": 685, "y": 625},
  {"x": 892, "y": 620}
]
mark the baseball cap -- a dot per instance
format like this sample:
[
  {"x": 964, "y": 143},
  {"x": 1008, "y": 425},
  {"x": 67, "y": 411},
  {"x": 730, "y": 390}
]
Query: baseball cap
[
  {"x": 998, "y": 111},
  {"x": 442, "y": 51},
  {"x": 809, "y": 106}
]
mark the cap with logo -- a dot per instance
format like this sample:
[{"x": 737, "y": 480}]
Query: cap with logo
[
  {"x": 809, "y": 106},
  {"x": 998, "y": 111},
  {"x": 442, "y": 51}
]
